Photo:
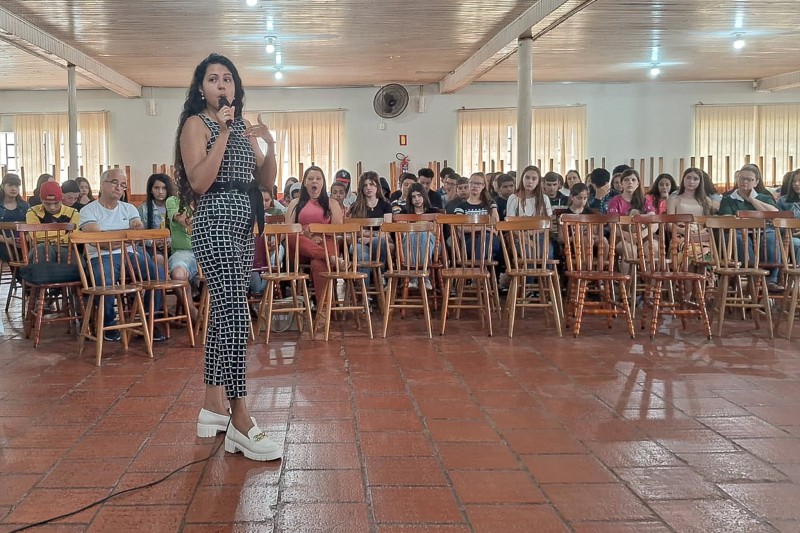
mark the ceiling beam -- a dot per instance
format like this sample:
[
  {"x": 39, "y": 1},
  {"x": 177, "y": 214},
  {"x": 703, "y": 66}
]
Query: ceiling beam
[
  {"x": 779, "y": 82},
  {"x": 41, "y": 44},
  {"x": 539, "y": 19}
]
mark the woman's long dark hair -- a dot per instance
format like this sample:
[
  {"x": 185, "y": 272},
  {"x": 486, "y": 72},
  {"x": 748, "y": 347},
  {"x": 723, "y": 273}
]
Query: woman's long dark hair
[
  {"x": 700, "y": 194},
  {"x": 637, "y": 198},
  {"x": 323, "y": 199},
  {"x": 426, "y": 202},
  {"x": 43, "y": 178},
  {"x": 195, "y": 103},
  {"x": 80, "y": 180},
  {"x": 655, "y": 193},
  {"x": 151, "y": 201},
  {"x": 791, "y": 195},
  {"x": 359, "y": 208},
  {"x": 10, "y": 179}
]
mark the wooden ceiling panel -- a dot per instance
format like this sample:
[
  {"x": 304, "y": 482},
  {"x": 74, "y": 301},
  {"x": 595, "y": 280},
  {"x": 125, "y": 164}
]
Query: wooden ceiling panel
[
  {"x": 372, "y": 42},
  {"x": 22, "y": 71}
]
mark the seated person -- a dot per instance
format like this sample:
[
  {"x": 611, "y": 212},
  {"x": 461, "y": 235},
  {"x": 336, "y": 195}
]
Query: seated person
[
  {"x": 314, "y": 206},
  {"x": 271, "y": 207},
  {"x": 480, "y": 203},
  {"x": 370, "y": 203},
  {"x": 552, "y": 189},
  {"x": 343, "y": 177},
  {"x": 505, "y": 186},
  {"x": 398, "y": 198},
  {"x": 71, "y": 192},
  {"x": 600, "y": 191},
  {"x": 462, "y": 193},
  {"x": 448, "y": 177},
  {"x": 339, "y": 193},
  {"x": 52, "y": 211},
  {"x": 746, "y": 197},
  {"x": 109, "y": 213},
  {"x": 182, "y": 263},
  {"x": 417, "y": 204},
  {"x": 425, "y": 178},
  {"x": 12, "y": 209}
]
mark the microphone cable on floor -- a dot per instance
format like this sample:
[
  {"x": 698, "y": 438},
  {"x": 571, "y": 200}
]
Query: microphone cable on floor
[{"x": 132, "y": 489}]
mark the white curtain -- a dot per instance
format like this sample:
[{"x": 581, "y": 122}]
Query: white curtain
[
  {"x": 486, "y": 136},
  {"x": 778, "y": 139},
  {"x": 43, "y": 144},
  {"x": 725, "y": 132},
  {"x": 305, "y": 138},
  {"x": 558, "y": 138}
]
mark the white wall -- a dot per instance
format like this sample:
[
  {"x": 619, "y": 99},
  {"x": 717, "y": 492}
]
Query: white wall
[{"x": 624, "y": 120}]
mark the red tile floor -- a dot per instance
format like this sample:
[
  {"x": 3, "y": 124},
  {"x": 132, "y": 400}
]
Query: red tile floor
[{"x": 457, "y": 434}]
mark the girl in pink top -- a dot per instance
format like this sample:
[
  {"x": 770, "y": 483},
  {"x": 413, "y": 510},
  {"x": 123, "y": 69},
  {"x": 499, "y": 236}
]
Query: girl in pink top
[
  {"x": 314, "y": 207},
  {"x": 631, "y": 200},
  {"x": 656, "y": 198}
]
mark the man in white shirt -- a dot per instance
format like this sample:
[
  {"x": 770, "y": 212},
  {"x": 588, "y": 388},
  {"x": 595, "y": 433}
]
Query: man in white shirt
[{"x": 109, "y": 213}]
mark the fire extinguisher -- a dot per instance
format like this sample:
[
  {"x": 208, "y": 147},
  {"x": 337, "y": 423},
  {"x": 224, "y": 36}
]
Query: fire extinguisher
[{"x": 404, "y": 161}]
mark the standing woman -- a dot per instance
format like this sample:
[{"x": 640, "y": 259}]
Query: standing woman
[
  {"x": 217, "y": 158},
  {"x": 86, "y": 195}
]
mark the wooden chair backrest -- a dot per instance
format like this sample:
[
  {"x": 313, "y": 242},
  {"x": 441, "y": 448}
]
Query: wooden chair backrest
[
  {"x": 276, "y": 236},
  {"x": 472, "y": 237},
  {"x": 786, "y": 229},
  {"x": 736, "y": 242},
  {"x": 45, "y": 243},
  {"x": 586, "y": 247},
  {"x": 151, "y": 242},
  {"x": 93, "y": 245},
  {"x": 340, "y": 234},
  {"x": 525, "y": 242},
  {"x": 412, "y": 245}
]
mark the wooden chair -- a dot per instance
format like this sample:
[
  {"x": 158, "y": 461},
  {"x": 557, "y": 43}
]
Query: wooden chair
[
  {"x": 591, "y": 259},
  {"x": 9, "y": 270},
  {"x": 414, "y": 245},
  {"x": 435, "y": 265},
  {"x": 156, "y": 242},
  {"x": 373, "y": 247},
  {"x": 769, "y": 217},
  {"x": 788, "y": 229},
  {"x": 468, "y": 259},
  {"x": 665, "y": 267},
  {"x": 736, "y": 248},
  {"x": 283, "y": 267},
  {"x": 629, "y": 259},
  {"x": 526, "y": 249},
  {"x": 102, "y": 279},
  {"x": 203, "y": 307},
  {"x": 50, "y": 271},
  {"x": 345, "y": 268}
]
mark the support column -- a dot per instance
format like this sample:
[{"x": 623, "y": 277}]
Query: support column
[
  {"x": 72, "y": 104},
  {"x": 524, "y": 102}
]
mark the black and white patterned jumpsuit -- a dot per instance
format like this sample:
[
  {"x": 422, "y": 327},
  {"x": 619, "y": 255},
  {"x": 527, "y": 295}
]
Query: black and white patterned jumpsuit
[{"x": 222, "y": 242}]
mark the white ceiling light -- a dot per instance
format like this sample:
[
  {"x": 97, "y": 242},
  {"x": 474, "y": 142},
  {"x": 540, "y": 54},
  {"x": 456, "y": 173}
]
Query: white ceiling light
[
  {"x": 278, "y": 58},
  {"x": 739, "y": 42},
  {"x": 252, "y": 3},
  {"x": 655, "y": 71},
  {"x": 270, "y": 48},
  {"x": 278, "y": 73}
]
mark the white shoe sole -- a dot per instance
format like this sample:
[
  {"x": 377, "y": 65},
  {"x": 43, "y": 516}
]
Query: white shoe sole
[{"x": 232, "y": 447}]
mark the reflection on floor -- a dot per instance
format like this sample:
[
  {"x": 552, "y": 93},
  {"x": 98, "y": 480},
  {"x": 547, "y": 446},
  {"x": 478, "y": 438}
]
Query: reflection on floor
[{"x": 406, "y": 434}]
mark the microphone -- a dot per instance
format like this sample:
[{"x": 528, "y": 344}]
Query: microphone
[{"x": 223, "y": 102}]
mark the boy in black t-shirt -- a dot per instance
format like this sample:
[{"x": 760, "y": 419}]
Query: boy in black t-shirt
[
  {"x": 552, "y": 182},
  {"x": 505, "y": 185}
]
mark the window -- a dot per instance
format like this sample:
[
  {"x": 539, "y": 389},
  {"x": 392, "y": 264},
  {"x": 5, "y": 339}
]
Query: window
[
  {"x": 767, "y": 135},
  {"x": 487, "y": 139},
  {"x": 8, "y": 152},
  {"x": 304, "y": 138}
]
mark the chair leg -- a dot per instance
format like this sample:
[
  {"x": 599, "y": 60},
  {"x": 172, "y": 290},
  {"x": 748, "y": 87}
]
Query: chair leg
[
  {"x": 487, "y": 304},
  {"x": 722, "y": 302},
  {"x": 555, "y": 301},
  {"x": 511, "y": 303},
  {"x": 656, "y": 306},
  {"x": 367, "y": 312},
  {"x": 425, "y": 308},
  {"x": 445, "y": 302},
  {"x": 627, "y": 310},
  {"x": 101, "y": 311},
  {"x": 388, "y": 302},
  {"x": 700, "y": 297},
  {"x": 148, "y": 333},
  {"x": 767, "y": 309},
  {"x": 582, "y": 286}
]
